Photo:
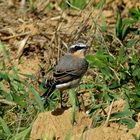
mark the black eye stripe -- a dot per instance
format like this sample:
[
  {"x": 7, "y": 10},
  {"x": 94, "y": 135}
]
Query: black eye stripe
[
  {"x": 76, "y": 48},
  {"x": 79, "y": 47}
]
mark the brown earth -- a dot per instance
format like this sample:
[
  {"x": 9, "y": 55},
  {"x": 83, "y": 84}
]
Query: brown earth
[
  {"x": 59, "y": 124},
  {"x": 37, "y": 40}
]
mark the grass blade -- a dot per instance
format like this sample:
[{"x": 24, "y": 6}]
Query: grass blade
[
  {"x": 119, "y": 25},
  {"x": 37, "y": 97},
  {"x": 5, "y": 127},
  {"x": 4, "y": 51},
  {"x": 72, "y": 97},
  {"x": 22, "y": 135}
]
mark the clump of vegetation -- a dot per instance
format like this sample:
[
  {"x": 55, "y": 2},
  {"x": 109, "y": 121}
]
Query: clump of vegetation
[
  {"x": 16, "y": 106},
  {"x": 118, "y": 71}
]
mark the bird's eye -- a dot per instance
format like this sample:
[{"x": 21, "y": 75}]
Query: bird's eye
[
  {"x": 79, "y": 47},
  {"x": 76, "y": 47}
]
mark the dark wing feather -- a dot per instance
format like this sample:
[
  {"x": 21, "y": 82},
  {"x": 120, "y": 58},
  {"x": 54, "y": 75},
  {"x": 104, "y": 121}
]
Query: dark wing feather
[{"x": 50, "y": 85}]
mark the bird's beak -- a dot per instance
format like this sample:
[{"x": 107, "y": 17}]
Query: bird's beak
[{"x": 87, "y": 49}]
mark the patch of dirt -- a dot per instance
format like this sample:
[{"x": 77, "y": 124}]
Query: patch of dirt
[
  {"x": 58, "y": 123},
  {"x": 114, "y": 132},
  {"x": 49, "y": 124},
  {"x": 30, "y": 66}
]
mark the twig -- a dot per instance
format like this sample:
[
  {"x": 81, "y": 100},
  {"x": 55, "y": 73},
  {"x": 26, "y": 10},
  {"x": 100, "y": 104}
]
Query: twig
[
  {"x": 14, "y": 36},
  {"x": 115, "y": 73},
  {"x": 42, "y": 5},
  {"x": 4, "y": 101},
  {"x": 22, "y": 4},
  {"x": 72, "y": 6},
  {"x": 116, "y": 39},
  {"x": 109, "y": 113},
  {"x": 7, "y": 31},
  {"x": 21, "y": 47}
]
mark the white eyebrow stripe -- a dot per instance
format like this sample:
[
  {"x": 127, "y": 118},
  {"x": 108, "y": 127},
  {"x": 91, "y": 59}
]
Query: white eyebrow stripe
[{"x": 78, "y": 44}]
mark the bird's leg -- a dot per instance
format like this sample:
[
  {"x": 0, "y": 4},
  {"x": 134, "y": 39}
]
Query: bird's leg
[
  {"x": 82, "y": 103},
  {"x": 61, "y": 100},
  {"x": 77, "y": 102},
  {"x": 82, "y": 107}
]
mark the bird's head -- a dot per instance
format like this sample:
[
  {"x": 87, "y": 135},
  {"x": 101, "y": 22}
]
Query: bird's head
[{"x": 78, "y": 49}]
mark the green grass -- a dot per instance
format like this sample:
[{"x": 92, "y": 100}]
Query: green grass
[
  {"x": 118, "y": 71},
  {"x": 15, "y": 93}
]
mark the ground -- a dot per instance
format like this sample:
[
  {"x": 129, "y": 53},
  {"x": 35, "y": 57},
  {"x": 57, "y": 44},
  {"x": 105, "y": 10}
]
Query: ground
[
  {"x": 56, "y": 124},
  {"x": 34, "y": 40}
]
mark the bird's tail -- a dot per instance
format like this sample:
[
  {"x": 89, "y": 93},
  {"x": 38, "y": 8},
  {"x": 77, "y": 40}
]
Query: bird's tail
[{"x": 50, "y": 85}]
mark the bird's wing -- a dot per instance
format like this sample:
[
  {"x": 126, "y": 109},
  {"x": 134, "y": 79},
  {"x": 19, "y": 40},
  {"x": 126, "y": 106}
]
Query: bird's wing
[
  {"x": 69, "y": 68},
  {"x": 65, "y": 76},
  {"x": 59, "y": 77}
]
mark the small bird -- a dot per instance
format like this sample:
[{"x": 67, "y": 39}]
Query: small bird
[{"x": 69, "y": 70}]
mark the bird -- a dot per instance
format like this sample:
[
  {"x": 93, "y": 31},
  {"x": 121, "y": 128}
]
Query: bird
[{"x": 69, "y": 70}]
